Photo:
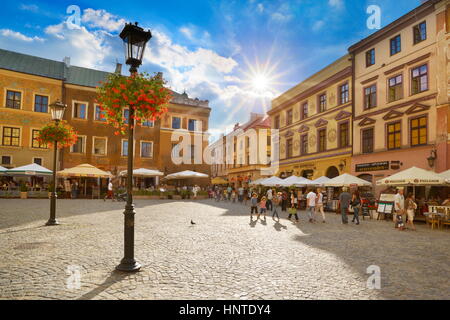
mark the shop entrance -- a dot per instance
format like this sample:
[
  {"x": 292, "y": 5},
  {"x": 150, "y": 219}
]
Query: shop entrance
[{"x": 332, "y": 172}]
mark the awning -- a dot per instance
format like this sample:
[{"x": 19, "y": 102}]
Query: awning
[
  {"x": 296, "y": 181},
  {"x": 219, "y": 180},
  {"x": 257, "y": 182},
  {"x": 320, "y": 182},
  {"x": 413, "y": 177},
  {"x": 29, "y": 170},
  {"x": 347, "y": 180},
  {"x": 143, "y": 173},
  {"x": 272, "y": 182},
  {"x": 3, "y": 170},
  {"x": 84, "y": 170},
  {"x": 186, "y": 175}
]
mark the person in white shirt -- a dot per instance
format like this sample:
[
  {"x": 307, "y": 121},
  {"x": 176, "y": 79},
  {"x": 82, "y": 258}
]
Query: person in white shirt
[
  {"x": 311, "y": 205},
  {"x": 319, "y": 204},
  {"x": 399, "y": 205},
  {"x": 110, "y": 193}
]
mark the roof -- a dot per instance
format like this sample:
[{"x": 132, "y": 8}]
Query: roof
[
  {"x": 24, "y": 63},
  {"x": 19, "y": 62},
  {"x": 85, "y": 77}
]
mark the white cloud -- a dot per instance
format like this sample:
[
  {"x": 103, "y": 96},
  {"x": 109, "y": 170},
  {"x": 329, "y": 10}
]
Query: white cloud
[
  {"x": 187, "y": 32},
  {"x": 318, "y": 25},
  {"x": 29, "y": 7},
  {"x": 19, "y": 36},
  {"x": 336, "y": 3},
  {"x": 102, "y": 19},
  {"x": 260, "y": 8},
  {"x": 283, "y": 14}
]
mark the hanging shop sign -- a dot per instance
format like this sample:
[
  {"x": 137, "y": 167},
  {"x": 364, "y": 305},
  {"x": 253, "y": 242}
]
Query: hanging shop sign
[{"x": 373, "y": 166}]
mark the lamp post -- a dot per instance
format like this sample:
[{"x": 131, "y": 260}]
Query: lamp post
[
  {"x": 134, "y": 39},
  {"x": 432, "y": 158},
  {"x": 57, "y": 111}
]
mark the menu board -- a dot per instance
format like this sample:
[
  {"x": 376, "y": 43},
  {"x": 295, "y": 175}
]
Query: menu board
[{"x": 385, "y": 207}]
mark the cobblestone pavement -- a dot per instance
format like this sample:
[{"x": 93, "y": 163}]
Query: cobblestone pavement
[{"x": 223, "y": 256}]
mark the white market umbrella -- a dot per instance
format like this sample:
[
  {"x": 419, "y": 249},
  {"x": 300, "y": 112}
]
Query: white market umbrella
[
  {"x": 347, "y": 180},
  {"x": 320, "y": 181},
  {"x": 186, "y": 175},
  {"x": 84, "y": 171},
  {"x": 3, "y": 170},
  {"x": 413, "y": 177},
  {"x": 272, "y": 182},
  {"x": 143, "y": 173},
  {"x": 296, "y": 181},
  {"x": 257, "y": 182},
  {"x": 30, "y": 170}
]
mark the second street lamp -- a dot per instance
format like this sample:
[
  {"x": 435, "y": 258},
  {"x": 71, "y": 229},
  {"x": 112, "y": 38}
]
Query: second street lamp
[
  {"x": 135, "y": 39},
  {"x": 57, "y": 110}
]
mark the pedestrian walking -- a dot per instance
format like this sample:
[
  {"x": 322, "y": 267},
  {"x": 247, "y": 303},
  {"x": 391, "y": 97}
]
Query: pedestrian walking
[
  {"x": 399, "y": 206},
  {"x": 233, "y": 195},
  {"x": 293, "y": 212},
  {"x": 319, "y": 204},
  {"x": 311, "y": 204},
  {"x": 262, "y": 207},
  {"x": 254, "y": 205},
  {"x": 276, "y": 205},
  {"x": 241, "y": 194},
  {"x": 269, "y": 199},
  {"x": 73, "y": 189},
  {"x": 110, "y": 193},
  {"x": 229, "y": 190},
  {"x": 344, "y": 202},
  {"x": 411, "y": 207},
  {"x": 356, "y": 205}
]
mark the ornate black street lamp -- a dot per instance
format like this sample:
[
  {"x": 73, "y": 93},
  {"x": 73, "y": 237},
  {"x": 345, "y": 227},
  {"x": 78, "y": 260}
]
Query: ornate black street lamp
[
  {"x": 57, "y": 111},
  {"x": 432, "y": 158},
  {"x": 135, "y": 39}
]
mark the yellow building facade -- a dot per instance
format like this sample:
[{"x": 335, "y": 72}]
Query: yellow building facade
[{"x": 314, "y": 120}]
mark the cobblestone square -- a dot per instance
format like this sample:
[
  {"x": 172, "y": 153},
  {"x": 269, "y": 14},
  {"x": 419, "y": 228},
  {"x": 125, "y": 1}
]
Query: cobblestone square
[{"x": 223, "y": 256}]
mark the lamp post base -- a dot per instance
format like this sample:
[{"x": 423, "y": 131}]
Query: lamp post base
[
  {"x": 52, "y": 223},
  {"x": 129, "y": 266}
]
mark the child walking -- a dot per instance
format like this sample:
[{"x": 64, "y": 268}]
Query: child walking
[
  {"x": 263, "y": 208},
  {"x": 276, "y": 205}
]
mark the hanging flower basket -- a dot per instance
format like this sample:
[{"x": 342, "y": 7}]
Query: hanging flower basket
[
  {"x": 60, "y": 132},
  {"x": 145, "y": 94}
]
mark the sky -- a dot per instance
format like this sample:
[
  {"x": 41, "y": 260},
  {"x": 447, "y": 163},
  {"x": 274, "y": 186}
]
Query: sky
[{"x": 238, "y": 54}]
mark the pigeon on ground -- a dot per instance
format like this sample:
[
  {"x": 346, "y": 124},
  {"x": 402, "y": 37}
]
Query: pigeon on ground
[{"x": 192, "y": 222}]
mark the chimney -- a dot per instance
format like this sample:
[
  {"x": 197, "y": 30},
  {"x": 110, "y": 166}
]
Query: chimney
[
  {"x": 118, "y": 68},
  {"x": 67, "y": 61}
]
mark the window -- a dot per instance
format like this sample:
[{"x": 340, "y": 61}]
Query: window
[
  {"x": 343, "y": 93},
  {"x": 126, "y": 115},
  {"x": 370, "y": 97},
  {"x": 99, "y": 114},
  {"x": 124, "y": 148},
  {"x": 79, "y": 110},
  {"x": 40, "y": 103},
  {"x": 394, "y": 133},
  {"x": 148, "y": 123},
  {"x": 11, "y": 137},
  {"x": 304, "y": 110},
  {"x": 396, "y": 45},
  {"x": 192, "y": 125},
  {"x": 35, "y": 142},
  {"x": 6, "y": 160},
  {"x": 304, "y": 144},
  {"x": 370, "y": 57},
  {"x": 344, "y": 140},
  {"x": 277, "y": 122},
  {"x": 419, "y": 79},
  {"x": 322, "y": 140},
  {"x": 367, "y": 140},
  {"x": 176, "y": 122},
  {"x": 37, "y": 161},
  {"x": 78, "y": 147},
  {"x": 395, "y": 88},
  {"x": 146, "y": 149},
  {"x": 100, "y": 146},
  {"x": 289, "y": 146},
  {"x": 322, "y": 102},
  {"x": 289, "y": 117},
  {"x": 13, "y": 99},
  {"x": 419, "y": 131},
  {"x": 420, "y": 32}
]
